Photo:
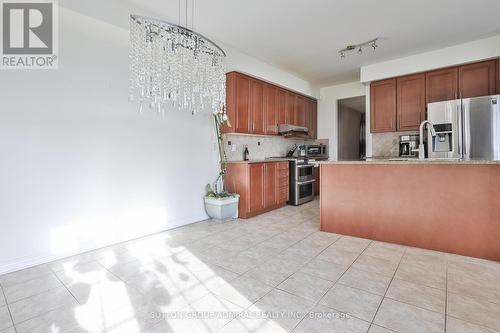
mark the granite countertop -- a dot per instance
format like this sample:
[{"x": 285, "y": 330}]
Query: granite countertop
[
  {"x": 411, "y": 161},
  {"x": 267, "y": 160}
]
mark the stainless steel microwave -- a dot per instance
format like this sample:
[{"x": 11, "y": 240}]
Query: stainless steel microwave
[{"x": 313, "y": 151}]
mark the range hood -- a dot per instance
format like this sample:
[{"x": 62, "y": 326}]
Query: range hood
[{"x": 288, "y": 130}]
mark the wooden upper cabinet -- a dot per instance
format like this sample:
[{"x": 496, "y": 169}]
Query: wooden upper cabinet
[
  {"x": 410, "y": 102},
  {"x": 242, "y": 111},
  {"x": 270, "y": 110},
  {"x": 383, "y": 106},
  {"x": 311, "y": 117},
  {"x": 478, "y": 79},
  {"x": 257, "y": 181},
  {"x": 399, "y": 104},
  {"x": 300, "y": 111},
  {"x": 270, "y": 193},
  {"x": 308, "y": 115},
  {"x": 290, "y": 108},
  {"x": 257, "y": 103},
  {"x": 257, "y": 107},
  {"x": 313, "y": 131},
  {"x": 282, "y": 110},
  {"x": 230, "y": 102},
  {"x": 441, "y": 85}
]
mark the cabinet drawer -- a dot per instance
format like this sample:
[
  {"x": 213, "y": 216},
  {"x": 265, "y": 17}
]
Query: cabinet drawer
[
  {"x": 283, "y": 194},
  {"x": 283, "y": 182},
  {"x": 283, "y": 166},
  {"x": 283, "y": 173}
]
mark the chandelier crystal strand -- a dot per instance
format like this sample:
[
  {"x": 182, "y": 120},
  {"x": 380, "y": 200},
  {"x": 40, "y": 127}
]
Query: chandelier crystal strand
[{"x": 172, "y": 66}]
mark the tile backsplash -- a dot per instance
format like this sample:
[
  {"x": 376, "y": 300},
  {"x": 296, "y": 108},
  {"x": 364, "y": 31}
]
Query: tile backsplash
[
  {"x": 270, "y": 146},
  {"x": 387, "y": 144}
]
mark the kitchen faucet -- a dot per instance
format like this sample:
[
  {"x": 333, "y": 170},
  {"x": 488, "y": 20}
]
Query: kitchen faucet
[{"x": 421, "y": 149}]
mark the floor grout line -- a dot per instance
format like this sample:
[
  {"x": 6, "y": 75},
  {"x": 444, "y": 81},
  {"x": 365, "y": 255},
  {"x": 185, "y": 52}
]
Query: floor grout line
[
  {"x": 32, "y": 295},
  {"x": 386, "y": 290},
  {"x": 335, "y": 282},
  {"x": 8, "y": 309},
  {"x": 66, "y": 287}
]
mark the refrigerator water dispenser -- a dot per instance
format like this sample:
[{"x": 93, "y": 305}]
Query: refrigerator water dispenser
[{"x": 443, "y": 141}]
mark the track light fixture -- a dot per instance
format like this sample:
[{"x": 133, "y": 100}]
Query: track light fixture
[{"x": 349, "y": 48}]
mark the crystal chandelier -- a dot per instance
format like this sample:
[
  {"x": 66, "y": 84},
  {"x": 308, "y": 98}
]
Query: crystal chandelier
[{"x": 173, "y": 66}]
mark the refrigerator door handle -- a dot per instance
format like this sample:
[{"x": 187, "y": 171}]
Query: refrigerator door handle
[
  {"x": 465, "y": 130},
  {"x": 460, "y": 131}
]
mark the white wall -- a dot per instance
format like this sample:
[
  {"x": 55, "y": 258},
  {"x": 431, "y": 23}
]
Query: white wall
[
  {"x": 80, "y": 167},
  {"x": 459, "y": 54},
  {"x": 328, "y": 111}
]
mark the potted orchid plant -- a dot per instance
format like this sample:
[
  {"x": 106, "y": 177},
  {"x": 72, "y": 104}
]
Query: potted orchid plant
[{"x": 219, "y": 203}]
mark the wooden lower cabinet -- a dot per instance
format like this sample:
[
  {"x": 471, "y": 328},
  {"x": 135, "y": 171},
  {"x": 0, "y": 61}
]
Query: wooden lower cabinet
[
  {"x": 262, "y": 186},
  {"x": 257, "y": 179},
  {"x": 283, "y": 183},
  {"x": 270, "y": 185}
]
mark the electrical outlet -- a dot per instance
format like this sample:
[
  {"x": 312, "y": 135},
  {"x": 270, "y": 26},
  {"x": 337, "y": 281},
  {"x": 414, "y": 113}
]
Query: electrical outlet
[{"x": 258, "y": 143}]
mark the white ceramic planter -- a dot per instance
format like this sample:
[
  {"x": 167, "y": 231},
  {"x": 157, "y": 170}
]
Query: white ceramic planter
[{"x": 223, "y": 209}]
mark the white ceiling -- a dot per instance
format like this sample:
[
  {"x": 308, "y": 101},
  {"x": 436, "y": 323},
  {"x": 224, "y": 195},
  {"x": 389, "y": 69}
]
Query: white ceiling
[{"x": 303, "y": 36}]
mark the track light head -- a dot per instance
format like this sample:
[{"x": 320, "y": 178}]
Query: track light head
[{"x": 360, "y": 50}]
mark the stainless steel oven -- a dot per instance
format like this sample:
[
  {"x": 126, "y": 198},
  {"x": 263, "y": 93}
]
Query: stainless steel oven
[
  {"x": 302, "y": 181},
  {"x": 304, "y": 172},
  {"x": 304, "y": 192}
]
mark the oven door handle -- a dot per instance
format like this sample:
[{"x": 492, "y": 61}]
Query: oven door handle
[
  {"x": 306, "y": 182},
  {"x": 305, "y": 166}
]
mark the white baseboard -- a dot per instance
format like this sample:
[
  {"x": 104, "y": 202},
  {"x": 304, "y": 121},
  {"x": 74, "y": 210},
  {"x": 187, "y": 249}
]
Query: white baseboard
[{"x": 35, "y": 260}]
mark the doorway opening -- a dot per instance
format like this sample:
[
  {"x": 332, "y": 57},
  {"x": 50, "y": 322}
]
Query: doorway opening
[{"x": 351, "y": 129}]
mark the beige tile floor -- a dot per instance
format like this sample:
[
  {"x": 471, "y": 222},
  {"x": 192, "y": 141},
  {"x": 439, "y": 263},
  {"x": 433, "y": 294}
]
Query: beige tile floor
[{"x": 272, "y": 273}]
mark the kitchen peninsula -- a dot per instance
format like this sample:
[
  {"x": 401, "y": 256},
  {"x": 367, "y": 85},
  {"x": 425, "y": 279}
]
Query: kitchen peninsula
[{"x": 450, "y": 206}]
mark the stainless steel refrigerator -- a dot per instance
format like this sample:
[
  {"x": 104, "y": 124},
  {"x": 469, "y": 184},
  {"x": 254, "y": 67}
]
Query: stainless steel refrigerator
[{"x": 465, "y": 128}]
